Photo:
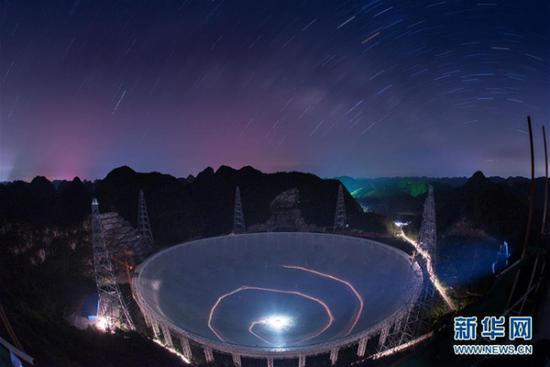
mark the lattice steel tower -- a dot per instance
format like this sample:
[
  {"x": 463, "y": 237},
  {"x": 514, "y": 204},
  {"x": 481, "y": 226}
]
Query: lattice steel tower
[
  {"x": 112, "y": 310},
  {"x": 418, "y": 320},
  {"x": 238, "y": 215},
  {"x": 340, "y": 215},
  {"x": 427, "y": 237},
  {"x": 144, "y": 247}
]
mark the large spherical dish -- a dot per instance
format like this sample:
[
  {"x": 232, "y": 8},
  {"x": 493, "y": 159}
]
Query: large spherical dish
[{"x": 278, "y": 295}]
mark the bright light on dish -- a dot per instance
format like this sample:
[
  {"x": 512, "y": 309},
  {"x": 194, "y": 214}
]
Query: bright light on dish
[
  {"x": 277, "y": 322},
  {"x": 401, "y": 224}
]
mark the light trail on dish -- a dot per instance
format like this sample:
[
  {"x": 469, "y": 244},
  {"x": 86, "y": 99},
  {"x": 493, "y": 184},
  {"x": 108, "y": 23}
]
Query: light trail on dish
[
  {"x": 431, "y": 272},
  {"x": 251, "y": 331},
  {"x": 359, "y": 311},
  {"x": 274, "y": 290},
  {"x": 278, "y": 323}
]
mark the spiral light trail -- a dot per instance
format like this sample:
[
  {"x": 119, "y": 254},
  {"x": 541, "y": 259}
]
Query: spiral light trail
[
  {"x": 274, "y": 290},
  {"x": 360, "y": 301},
  {"x": 328, "y": 324}
]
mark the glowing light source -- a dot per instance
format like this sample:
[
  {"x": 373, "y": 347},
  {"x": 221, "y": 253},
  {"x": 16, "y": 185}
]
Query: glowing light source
[
  {"x": 431, "y": 272},
  {"x": 101, "y": 323},
  {"x": 277, "y": 323},
  {"x": 503, "y": 255},
  {"x": 173, "y": 351},
  {"x": 401, "y": 224},
  {"x": 254, "y": 323}
]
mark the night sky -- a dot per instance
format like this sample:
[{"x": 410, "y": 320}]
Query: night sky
[{"x": 361, "y": 88}]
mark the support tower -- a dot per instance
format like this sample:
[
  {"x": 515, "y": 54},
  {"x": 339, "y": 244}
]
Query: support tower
[
  {"x": 145, "y": 245},
  {"x": 427, "y": 237},
  {"x": 417, "y": 321},
  {"x": 238, "y": 215},
  {"x": 112, "y": 311},
  {"x": 340, "y": 215}
]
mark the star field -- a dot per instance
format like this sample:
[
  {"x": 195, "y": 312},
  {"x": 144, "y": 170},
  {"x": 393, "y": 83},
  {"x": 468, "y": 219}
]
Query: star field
[{"x": 360, "y": 88}]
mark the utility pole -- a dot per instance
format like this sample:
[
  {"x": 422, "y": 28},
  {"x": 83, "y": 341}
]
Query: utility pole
[
  {"x": 533, "y": 288},
  {"x": 532, "y": 191}
]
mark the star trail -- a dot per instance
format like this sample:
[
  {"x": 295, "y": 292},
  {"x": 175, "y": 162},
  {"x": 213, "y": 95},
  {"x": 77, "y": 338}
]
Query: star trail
[{"x": 360, "y": 88}]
